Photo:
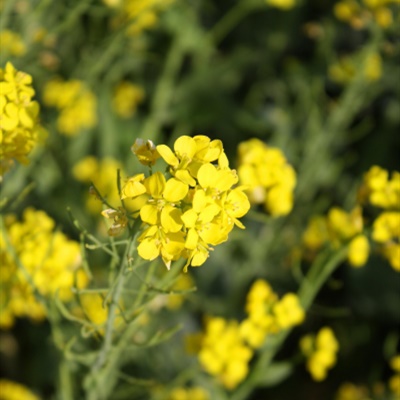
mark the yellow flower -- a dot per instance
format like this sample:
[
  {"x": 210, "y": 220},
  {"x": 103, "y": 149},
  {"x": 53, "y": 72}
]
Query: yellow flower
[
  {"x": 195, "y": 208},
  {"x": 76, "y": 103},
  {"x": 358, "y": 251},
  {"x": 349, "y": 391},
  {"x": 51, "y": 260},
  {"x": 223, "y": 353},
  {"x": 320, "y": 352},
  {"x": 11, "y": 44},
  {"x": 145, "y": 151},
  {"x": 316, "y": 233},
  {"x": 20, "y": 129},
  {"x": 282, "y": 4},
  {"x": 193, "y": 393},
  {"x": 126, "y": 98},
  {"x": 288, "y": 311},
  {"x": 10, "y": 390},
  {"x": 267, "y": 175}
]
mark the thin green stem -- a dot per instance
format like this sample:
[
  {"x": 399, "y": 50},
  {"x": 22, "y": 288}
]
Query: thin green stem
[{"x": 164, "y": 91}]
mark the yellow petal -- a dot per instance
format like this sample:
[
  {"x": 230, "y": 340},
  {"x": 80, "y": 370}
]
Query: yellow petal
[
  {"x": 149, "y": 214},
  {"x": 148, "y": 250},
  {"x": 185, "y": 146},
  {"x": 192, "y": 239},
  {"x": 167, "y": 154},
  {"x": 175, "y": 190},
  {"x": 171, "y": 219},
  {"x": 206, "y": 175},
  {"x": 155, "y": 184}
]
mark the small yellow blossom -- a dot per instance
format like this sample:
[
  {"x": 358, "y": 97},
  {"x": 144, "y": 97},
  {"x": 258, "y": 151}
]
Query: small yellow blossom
[
  {"x": 76, "y": 103},
  {"x": 145, "y": 151},
  {"x": 320, "y": 351},
  {"x": 267, "y": 314},
  {"x": 349, "y": 391},
  {"x": 394, "y": 381},
  {"x": 127, "y": 97},
  {"x": 51, "y": 261},
  {"x": 10, "y": 390},
  {"x": 282, "y": 4},
  {"x": 223, "y": 353},
  {"x": 193, "y": 393},
  {"x": 20, "y": 129},
  {"x": 269, "y": 179},
  {"x": 358, "y": 251},
  {"x": 11, "y": 44}
]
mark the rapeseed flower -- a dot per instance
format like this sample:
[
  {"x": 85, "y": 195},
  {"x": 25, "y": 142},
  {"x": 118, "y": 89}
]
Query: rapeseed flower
[
  {"x": 192, "y": 393},
  {"x": 269, "y": 179},
  {"x": 359, "y": 14},
  {"x": 320, "y": 351},
  {"x": 223, "y": 352},
  {"x": 394, "y": 381},
  {"x": 11, "y": 44},
  {"x": 126, "y": 99},
  {"x": 193, "y": 208},
  {"x": 20, "y": 130},
  {"x": 51, "y": 261},
  {"x": 10, "y": 390},
  {"x": 267, "y": 314},
  {"x": 350, "y": 391},
  {"x": 75, "y": 102}
]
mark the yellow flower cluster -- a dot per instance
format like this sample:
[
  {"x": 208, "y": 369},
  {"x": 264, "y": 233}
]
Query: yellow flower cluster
[
  {"x": 141, "y": 14},
  {"x": 320, "y": 351},
  {"x": 127, "y": 97},
  {"x": 347, "y": 68},
  {"x": 267, "y": 175},
  {"x": 267, "y": 314},
  {"x": 193, "y": 393},
  {"x": 76, "y": 103},
  {"x": 224, "y": 353},
  {"x": 103, "y": 174},
  {"x": 382, "y": 192},
  {"x": 339, "y": 227},
  {"x": 192, "y": 210},
  {"x": 282, "y": 4},
  {"x": 11, "y": 44},
  {"x": 51, "y": 263},
  {"x": 394, "y": 381},
  {"x": 20, "y": 130},
  {"x": 227, "y": 347},
  {"x": 350, "y": 391},
  {"x": 360, "y": 14},
  {"x": 10, "y": 390}
]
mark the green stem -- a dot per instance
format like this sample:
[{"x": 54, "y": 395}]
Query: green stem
[
  {"x": 164, "y": 91},
  {"x": 231, "y": 19},
  {"x": 310, "y": 287}
]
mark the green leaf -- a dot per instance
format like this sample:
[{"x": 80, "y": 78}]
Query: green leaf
[{"x": 275, "y": 374}]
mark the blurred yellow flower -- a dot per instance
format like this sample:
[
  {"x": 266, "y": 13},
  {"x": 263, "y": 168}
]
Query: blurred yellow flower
[
  {"x": 267, "y": 176},
  {"x": 126, "y": 98},
  {"x": 76, "y": 103},
  {"x": 193, "y": 393},
  {"x": 282, "y": 4},
  {"x": 20, "y": 129},
  {"x": 11, "y": 44},
  {"x": 51, "y": 261},
  {"x": 10, "y": 390},
  {"x": 320, "y": 351}
]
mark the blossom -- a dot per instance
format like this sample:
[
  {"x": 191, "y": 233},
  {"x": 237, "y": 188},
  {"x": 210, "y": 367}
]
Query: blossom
[
  {"x": 51, "y": 261},
  {"x": 20, "y": 129},
  {"x": 269, "y": 179},
  {"x": 75, "y": 102},
  {"x": 191, "y": 209},
  {"x": 126, "y": 98},
  {"x": 320, "y": 350},
  {"x": 192, "y": 393},
  {"x": 267, "y": 314},
  {"x": 394, "y": 381},
  {"x": 12, "y": 43},
  {"x": 223, "y": 353},
  {"x": 10, "y": 390}
]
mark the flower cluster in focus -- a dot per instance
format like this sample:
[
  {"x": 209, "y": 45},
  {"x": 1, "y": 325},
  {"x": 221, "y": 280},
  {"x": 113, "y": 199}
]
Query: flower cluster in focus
[
  {"x": 41, "y": 260},
  {"x": 75, "y": 102},
  {"x": 320, "y": 350},
  {"x": 20, "y": 129},
  {"x": 192, "y": 209},
  {"x": 268, "y": 178}
]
